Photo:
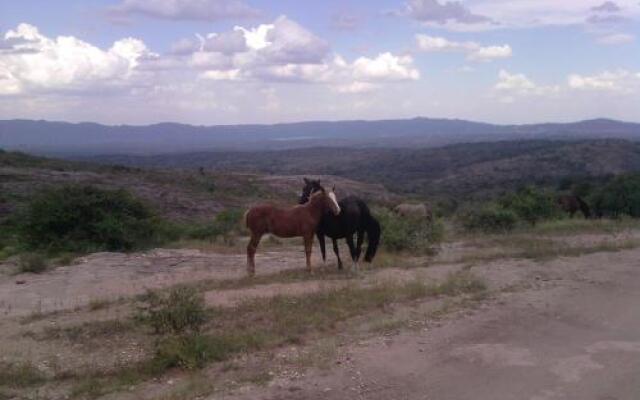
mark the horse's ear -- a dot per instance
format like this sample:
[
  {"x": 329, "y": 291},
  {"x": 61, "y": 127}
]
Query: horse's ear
[
  {"x": 333, "y": 189},
  {"x": 306, "y": 180}
]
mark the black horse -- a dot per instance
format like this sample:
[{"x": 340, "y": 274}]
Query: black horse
[{"x": 354, "y": 218}]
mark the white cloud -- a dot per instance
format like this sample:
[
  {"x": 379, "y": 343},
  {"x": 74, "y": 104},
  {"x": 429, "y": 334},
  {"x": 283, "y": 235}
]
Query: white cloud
[
  {"x": 286, "y": 51},
  {"x": 226, "y": 43},
  {"x": 490, "y": 53},
  {"x": 228, "y": 75},
  {"x": 616, "y": 39},
  {"x": 385, "y": 67},
  {"x": 473, "y": 50},
  {"x": 621, "y": 81},
  {"x": 433, "y": 11},
  {"x": 357, "y": 87},
  {"x": 184, "y": 46},
  {"x": 39, "y": 63},
  {"x": 511, "y": 85},
  {"x": 289, "y": 42},
  {"x": 206, "y": 10},
  {"x": 508, "y": 14}
]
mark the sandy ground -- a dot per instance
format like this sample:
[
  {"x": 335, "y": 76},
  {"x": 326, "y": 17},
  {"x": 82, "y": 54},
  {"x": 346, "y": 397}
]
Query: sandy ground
[
  {"x": 574, "y": 334},
  {"x": 110, "y": 276},
  {"x": 568, "y": 328}
]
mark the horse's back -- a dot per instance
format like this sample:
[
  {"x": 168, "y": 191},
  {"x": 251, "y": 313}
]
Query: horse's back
[{"x": 353, "y": 213}]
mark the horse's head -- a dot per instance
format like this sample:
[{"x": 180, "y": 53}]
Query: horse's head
[
  {"x": 310, "y": 186},
  {"x": 326, "y": 198}
]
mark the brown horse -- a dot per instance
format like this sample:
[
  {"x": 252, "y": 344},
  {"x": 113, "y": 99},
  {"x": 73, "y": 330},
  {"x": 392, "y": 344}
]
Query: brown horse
[
  {"x": 295, "y": 221},
  {"x": 572, "y": 203}
]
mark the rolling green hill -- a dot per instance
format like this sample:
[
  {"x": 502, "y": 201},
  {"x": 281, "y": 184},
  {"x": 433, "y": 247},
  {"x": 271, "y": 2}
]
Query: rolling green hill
[{"x": 460, "y": 171}]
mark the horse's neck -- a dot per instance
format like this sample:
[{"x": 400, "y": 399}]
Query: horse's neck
[{"x": 316, "y": 206}]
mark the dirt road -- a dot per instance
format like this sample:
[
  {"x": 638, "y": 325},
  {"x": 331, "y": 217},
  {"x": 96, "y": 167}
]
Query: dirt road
[{"x": 573, "y": 334}]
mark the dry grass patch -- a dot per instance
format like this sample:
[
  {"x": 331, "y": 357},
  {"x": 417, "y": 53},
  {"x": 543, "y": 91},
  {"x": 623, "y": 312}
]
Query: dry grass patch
[
  {"x": 539, "y": 248},
  {"x": 19, "y": 375},
  {"x": 263, "y": 325},
  {"x": 576, "y": 226},
  {"x": 86, "y": 331}
]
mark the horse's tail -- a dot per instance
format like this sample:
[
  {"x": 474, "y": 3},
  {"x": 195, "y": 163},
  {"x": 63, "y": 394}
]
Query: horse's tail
[
  {"x": 584, "y": 207},
  {"x": 372, "y": 227},
  {"x": 373, "y": 235}
]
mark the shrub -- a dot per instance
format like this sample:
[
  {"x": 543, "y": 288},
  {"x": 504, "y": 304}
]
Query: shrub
[
  {"x": 531, "y": 204},
  {"x": 84, "y": 218},
  {"x": 179, "y": 312},
  {"x": 32, "y": 262},
  {"x": 621, "y": 196},
  {"x": 226, "y": 224},
  {"x": 195, "y": 351},
  {"x": 409, "y": 234},
  {"x": 491, "y": 218}
]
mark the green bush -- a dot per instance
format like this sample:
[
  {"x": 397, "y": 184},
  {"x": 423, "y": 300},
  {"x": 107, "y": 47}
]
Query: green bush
[
  {"x": 178, "y": 312},
  {"x": 491, "y": 218},
  {"x": 531, "y": 204},
  {"x": 409, "y": 233},
  {"x": 619, "y": 197},
  {"x": 195, "y": 351},
  {"x": 226, "y": 224},
  {"x": 32, "y": 262},
  {"x": 85, "y": 218}
]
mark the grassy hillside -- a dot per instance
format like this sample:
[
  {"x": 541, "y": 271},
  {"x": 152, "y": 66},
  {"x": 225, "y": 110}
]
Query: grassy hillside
[
  {"x": 459, "y": 171},
  {"x": 187, "y": 194}
]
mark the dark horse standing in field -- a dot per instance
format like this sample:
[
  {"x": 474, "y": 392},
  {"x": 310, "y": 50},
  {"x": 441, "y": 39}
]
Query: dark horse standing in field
[
  {"x": 571, "y": 204},
  {"x": 301, "y": 220},
  {"x": 354, "y": 218}
]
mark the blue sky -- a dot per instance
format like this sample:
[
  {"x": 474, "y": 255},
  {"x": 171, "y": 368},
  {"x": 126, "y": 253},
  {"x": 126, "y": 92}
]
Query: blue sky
[{"x": 258, "y": 61}]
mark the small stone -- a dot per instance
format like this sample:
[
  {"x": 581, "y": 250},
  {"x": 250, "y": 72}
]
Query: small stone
[{"x": 20, "y": 282}]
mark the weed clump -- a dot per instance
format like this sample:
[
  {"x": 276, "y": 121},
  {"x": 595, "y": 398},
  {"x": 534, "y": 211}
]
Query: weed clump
[
  {"x": 182, "y": 311},
  {"x": 34, "y": 263},
  {"x": 19, "y": 375},
  {"x": 490, "y": 219}
]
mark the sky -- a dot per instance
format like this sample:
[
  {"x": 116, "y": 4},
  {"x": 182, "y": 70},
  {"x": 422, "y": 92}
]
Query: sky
[{"x": 208, "y": 62}]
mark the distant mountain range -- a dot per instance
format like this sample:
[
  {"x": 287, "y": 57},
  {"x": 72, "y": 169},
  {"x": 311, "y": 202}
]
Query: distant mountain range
[{"x": 89, "y": 138}]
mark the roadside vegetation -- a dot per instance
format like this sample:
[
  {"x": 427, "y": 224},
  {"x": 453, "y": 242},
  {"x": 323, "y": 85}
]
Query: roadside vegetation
[
  {"x": 184, "y": 334},
  {"x": 409, "y": 234},
  {"x": 59, "y": 223}
]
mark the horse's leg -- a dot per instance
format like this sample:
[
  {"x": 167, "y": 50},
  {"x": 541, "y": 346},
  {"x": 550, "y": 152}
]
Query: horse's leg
[
  {"x": 352, "y": 249},
  {"x": 308, "y": 245},
  {"x": 359, "y": 240},
  {"x": 322, "y": 246},
  {"x": 337, "y": 252},
  {"x": 251, "y": 253}
]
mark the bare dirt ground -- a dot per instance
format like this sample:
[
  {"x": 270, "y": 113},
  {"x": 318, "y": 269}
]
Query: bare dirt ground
[
  {"x": 574, "y": 334},
  {"x": 557, "y": 328}
]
